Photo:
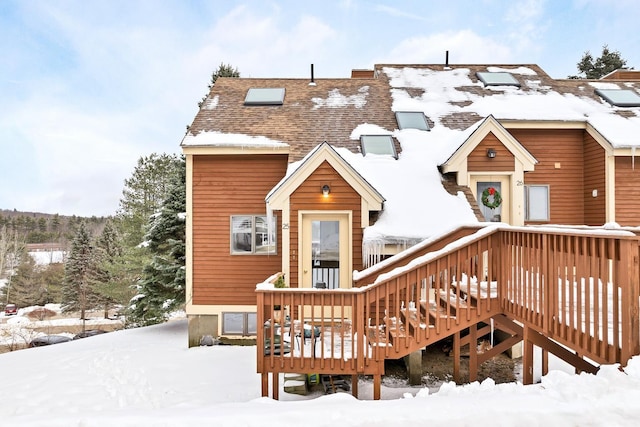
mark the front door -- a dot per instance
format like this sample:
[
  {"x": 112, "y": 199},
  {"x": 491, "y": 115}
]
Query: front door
[
  {"x": 325, "y": 261},
  {"x": 326, "y": 251},
  {"x": 492, "y": 194}
]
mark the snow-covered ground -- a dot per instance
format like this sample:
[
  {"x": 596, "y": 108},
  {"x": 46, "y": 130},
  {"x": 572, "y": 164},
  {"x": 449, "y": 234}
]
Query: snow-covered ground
[{"x": 148, "y": 377}]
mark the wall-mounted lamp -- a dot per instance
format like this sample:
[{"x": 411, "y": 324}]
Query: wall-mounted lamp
[
  {"x": 326, "y": 190},
  {"x": 491, "y": 153}
]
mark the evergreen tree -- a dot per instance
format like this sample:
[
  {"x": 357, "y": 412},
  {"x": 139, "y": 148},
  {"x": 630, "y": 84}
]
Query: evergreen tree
[
  {"x": 106, "y": 283},
  {"x": 26, "y": 287},
  {"x": 79, "y": 274},
  {"x": 162, "y": 287},
  {"x": 224, "y": 70},
  {"x": 51, "y": 277},
  {"x": 594, "y": 69},
  {"x": 143, "y": 194}
]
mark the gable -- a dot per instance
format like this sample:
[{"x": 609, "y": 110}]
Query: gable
[
  {"x": 488, "y": 129},
  {"x": 371, "y": 199}
]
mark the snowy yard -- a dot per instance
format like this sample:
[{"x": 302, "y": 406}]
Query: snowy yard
[{"x": 148, "y": 377}]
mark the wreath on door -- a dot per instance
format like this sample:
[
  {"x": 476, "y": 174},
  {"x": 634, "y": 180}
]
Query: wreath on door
[{"x": 496, "y": 198}]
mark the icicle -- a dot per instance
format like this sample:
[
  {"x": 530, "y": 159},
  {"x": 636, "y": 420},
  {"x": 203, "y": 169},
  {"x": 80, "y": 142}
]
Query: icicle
[
  {"x": 270, "y": 226},
  {"x": 491, "y": 332},
  {"x": 633, "y": 157}
]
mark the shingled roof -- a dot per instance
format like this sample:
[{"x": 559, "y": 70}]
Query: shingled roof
[{"x": 310, "y": 114}]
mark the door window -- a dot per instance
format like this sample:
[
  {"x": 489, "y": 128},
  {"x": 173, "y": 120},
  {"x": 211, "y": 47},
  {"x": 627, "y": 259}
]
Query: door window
[{"x": 325, "y": 254}]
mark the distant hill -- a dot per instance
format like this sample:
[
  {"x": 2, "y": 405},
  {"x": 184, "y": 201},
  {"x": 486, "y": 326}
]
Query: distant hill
[{"x": 38, "y": 227}]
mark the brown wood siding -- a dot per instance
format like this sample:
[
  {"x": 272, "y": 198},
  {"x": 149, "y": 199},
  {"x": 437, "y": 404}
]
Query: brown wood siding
[
  {"x": 627, "y": 191},
  {"x": 594, "y": 179},
  {"x": 479, "y": 162},
  {"x": 224, "y": 186},
  {"x": 566, "y": 183},
  {"x": 309, "y": 197}
]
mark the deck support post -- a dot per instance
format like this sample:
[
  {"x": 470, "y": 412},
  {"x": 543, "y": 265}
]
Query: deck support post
[
  {"x": 265, "y": 384},
  {"x": 527, "y": 357},
  {"x": 413, "y": 361},
  {"x": 275, "y": 381},
  {"x": 354, "y": 385},
  {"x": 473, "y": 353},
  {"x": 456, "y": 358},
  {"x": 377, "y": 381},
  {"x": 545, "y": 362}
]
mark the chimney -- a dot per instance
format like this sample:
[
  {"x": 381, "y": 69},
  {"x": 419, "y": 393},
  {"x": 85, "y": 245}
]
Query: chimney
[{"x": 446, "y": 60}]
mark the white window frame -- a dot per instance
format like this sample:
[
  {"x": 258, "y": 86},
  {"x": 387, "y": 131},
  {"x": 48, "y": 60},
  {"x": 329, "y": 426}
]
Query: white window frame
[
  {"x": 246, "y": 322},
  {"x": 271, "y": 236},
  {"x": 527, "y": 202}
]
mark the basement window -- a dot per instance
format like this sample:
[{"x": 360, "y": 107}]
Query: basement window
[
  {"x": 264, "y": 96},
  {"x": 411, "y": 120},
  {"x": 244, "y": 324},
  {"x": 377, "y": 144},
  {"x": 497, "y": 79},
  {"x": 250, "y": 235},
  {"x": 620, "y": 97}
]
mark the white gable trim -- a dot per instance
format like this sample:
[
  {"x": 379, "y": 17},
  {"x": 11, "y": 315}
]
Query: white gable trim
[
  {"x": 458, "y": 160},
  {"x": 372, "y": 200}
]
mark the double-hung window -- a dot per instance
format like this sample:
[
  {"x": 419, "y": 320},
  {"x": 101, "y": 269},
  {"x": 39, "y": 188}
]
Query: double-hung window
[
  {"x": 536, "y": 202},
  {"x": 251, "y": 234}
]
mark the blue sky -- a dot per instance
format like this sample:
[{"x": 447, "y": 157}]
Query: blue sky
[{"x": 87, "y": 87}]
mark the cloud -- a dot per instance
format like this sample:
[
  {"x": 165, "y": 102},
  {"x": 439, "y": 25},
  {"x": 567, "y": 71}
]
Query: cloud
[
  {"x": 464, "y": 46},
  {"x": 398, "y": 13}
]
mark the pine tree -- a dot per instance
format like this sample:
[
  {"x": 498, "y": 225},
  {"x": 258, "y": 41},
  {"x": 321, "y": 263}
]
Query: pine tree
[
  {"x": 26, "y": 286},
  {"x": 79, "y": 274},
  {"x": 108, "y": 251},
  {"x": 143, "y": 194},
  {"x": 162, "y": 287},
  {"x": 594, "y": 69},
  {"x": 224, "y": 70}
]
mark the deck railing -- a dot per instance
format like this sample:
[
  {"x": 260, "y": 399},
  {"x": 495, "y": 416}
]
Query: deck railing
[{"x": 577, "y": 288}]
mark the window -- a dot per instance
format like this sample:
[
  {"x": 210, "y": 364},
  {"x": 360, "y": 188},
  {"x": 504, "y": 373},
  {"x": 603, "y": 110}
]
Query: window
[
  {"x": 411, "y": 120},
  {"x": 239, "y": 324},
  {"x": 250, "y": 235},
  {"x": 536, "y": 202},
  {"x": 377, "y": 144},
  {"x": 497, "y": 79},
  {"x": 620, "y": 97},
  {"x": 264, "y": 96}
]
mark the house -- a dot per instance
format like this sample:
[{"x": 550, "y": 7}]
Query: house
[{"x": 318, "y": 178}]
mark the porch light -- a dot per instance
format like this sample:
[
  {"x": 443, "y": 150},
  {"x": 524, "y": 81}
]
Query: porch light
[
  {"x": 491, "y": 153},
  {"x": 326, "y": 190}
]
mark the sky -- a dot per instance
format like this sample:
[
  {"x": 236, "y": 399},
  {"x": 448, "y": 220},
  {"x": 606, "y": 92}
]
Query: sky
[
  {"x": 87, "y": 88},
  {"x": 148, "y": 377}
]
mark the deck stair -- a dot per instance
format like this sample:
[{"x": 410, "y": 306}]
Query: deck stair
[{"x": 571, "y": 294}]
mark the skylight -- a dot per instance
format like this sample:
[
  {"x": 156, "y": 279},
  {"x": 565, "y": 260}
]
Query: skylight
[
  {"x": 497, "y": 79},
  {"x": 620, "y": 97},
  {"x": 411, "y": 120},
  {"x": 264, "y": 96},
  {"x": 378, "y": 144}
]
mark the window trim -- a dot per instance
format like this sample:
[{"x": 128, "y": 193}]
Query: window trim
[
  {"x": 487, "y": 82},
  {"x": 394, "y": 154},
  {"x": 245, "y": 323},
  {"x": 421, "y": 113},
  {"x": 261, "y": 92},
  {"x": 253, "y": 235},
  {"x": 527, "y": 202}
]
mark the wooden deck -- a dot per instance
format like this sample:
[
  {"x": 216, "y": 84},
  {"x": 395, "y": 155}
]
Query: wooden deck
[{"x": 572, "y": 293}]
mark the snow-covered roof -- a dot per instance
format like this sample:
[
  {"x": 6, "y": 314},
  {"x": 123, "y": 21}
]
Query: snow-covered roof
[{"x": 454, "y": 101}]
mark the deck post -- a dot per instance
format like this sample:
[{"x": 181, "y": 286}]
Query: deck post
[
  {"x": 377, "y": 381},
  {"x": 527, "y": 357},
  {"x": 275, "y": 382},
  {"x": 473, "y": 353},
  {"x": 545, "y": 361},
  {"x": 456, "y": 358},
  {"x": 354, "y": 385},
  {"x": 265, "y": 384},
  {"x": 629, "y": 282}
]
